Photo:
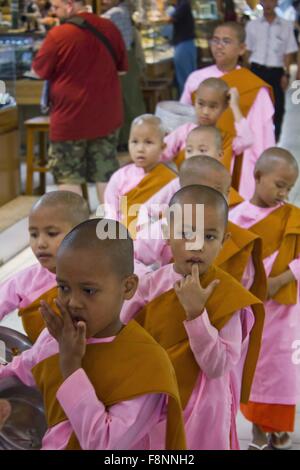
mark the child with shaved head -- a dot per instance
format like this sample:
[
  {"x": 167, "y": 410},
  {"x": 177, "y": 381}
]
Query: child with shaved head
[
  {"x": 104, "y": 385},
  {"x": 184, "y": 307},
  {"x": 227, "y": 46},
  {"x": 276, "y": 386},
  {"x": 212, "y": 99},
  {"x": 141, "y": 179},
  {"x": 241, "y": 254},
  {"x": 50, "y": 219}
]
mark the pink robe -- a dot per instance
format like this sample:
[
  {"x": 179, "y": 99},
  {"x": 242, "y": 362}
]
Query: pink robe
[
  {"x": 176, "y": 140},
  {"x": 123, "y": 426},
  {"x": 210, "y": 413},
  {"x": 25, "y": 287},
  {"x": 277, "y": 376},
  {"x": 259, "y": 118}
]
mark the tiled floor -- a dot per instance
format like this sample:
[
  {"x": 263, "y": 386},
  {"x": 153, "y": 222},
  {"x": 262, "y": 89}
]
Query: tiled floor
[{"x": 291, "y": 140}]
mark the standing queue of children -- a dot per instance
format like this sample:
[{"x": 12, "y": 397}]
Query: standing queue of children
[{"x": 151, "y": 328}]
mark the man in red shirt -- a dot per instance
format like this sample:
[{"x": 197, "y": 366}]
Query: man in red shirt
[{"x": 85, "y": 97}]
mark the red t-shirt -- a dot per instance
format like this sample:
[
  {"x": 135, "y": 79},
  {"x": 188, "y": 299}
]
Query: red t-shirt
[{"x": 85, "y": 92}]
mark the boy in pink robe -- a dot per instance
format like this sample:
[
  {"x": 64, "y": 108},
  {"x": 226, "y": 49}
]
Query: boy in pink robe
[
  {"x": 212, "y": 98},
  {"x": 201, "y": 140},
  {"x": 50, "y": 219},
  {"x": 90, "y": 298},
  {"x": 211, "y": 410},
  {"x": 276, "y": 385},
  {"x": 145, "y": 147},
  {"x": 227, "y": 45}
]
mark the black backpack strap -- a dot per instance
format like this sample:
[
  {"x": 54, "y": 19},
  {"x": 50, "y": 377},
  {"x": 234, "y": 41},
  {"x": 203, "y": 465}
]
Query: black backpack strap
[{"x": 80, "y": 22}]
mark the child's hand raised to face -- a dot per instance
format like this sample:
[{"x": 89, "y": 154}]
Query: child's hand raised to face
[
  {"x": 70, "y": 337},
  {"x": 192, "y": 295}
]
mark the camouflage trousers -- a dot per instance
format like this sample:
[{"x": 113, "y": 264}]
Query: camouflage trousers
[{"x": 81, "y": 161}]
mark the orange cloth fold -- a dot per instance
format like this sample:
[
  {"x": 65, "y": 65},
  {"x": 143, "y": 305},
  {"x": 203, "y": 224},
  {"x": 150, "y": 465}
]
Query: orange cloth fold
[
  {"x": 270, "y": 417},
  {"x": 133, "y": 364},
  {"x": 280, "y": 230},
  {"x": 163, "y": 318},
  {"x": 32, "y": 320},
  {"x": 153, "y": 181}
]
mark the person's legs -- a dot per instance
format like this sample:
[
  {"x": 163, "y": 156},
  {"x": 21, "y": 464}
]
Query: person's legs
[
  {"x": 279, "y": 103},
  {"x": 185, "y": 61},
  {"x": 67, "y": 162},
  {"x": 273, "y": 78},
  {"x": 102, "y": 161}
]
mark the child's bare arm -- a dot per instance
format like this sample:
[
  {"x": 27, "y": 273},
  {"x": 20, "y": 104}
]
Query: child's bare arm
[{"x": 277, "y": 282}]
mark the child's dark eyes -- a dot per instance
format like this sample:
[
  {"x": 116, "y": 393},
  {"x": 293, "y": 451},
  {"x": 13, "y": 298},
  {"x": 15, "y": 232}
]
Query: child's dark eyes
[
  {"x": 210, "y": 237},
  {"x": 33, "y": 235},
  {"x": 53, "y": 234},
  {"x": 89, "y": 291},
  {"x": 62, "y": 288}
]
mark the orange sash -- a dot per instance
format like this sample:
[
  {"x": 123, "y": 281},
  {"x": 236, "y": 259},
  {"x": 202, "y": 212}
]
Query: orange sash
[
  {"x": 280, "y": 230},
  {"x": 235, "y": 255},
  {"x": 133, "y": 364},
  {"x": 234, "y": 198},
  {"x": 163, "y": 318},
  {"x": 32, "y": 320},
  {"x": 156, "y": 179},
  {"x": 248, "y": 85}
]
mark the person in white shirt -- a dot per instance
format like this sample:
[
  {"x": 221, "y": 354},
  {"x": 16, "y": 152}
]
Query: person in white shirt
[{"x": 270, "y": 43}]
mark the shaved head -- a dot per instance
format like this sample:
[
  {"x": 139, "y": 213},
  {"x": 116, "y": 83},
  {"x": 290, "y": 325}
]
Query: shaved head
[
  {"x": 208, "y": 130},
  {"x": 273, "y": 157},
  {"x": 104, "y": 239},
  {"x": 216, "y": 84},
  {"x": 151, "y": 120},
  {"x": 71, "y": 207},
  {"x": 201, "y": 169},
  {"x": 200, "y": 194}
]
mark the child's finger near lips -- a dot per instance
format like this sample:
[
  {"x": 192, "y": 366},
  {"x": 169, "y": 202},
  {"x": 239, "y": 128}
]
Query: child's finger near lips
[{"x": 65, "y": 315}]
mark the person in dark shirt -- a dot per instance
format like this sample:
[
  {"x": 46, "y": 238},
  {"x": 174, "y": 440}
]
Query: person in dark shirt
[{"x": 185, "y": 55}]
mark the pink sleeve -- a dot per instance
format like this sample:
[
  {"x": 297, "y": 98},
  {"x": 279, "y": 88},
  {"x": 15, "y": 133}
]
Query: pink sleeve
[
  {"x": 260, "y": 121},
  {"x": 22, "y": 365},
  {"x": 174, "y": 142},
  {"x": 295, "y": 268},
  {"x": 216, "y": 352},
  {"x": 248, "y": 275},
  {"x": 186, "y": 97},
  {"x": 149, "y": 251},
  {"x": 244, "y": 137},
  {"x": 10, "y": 295},
  {"x": 118, "y": 427},
  {"x": 112, "y": 197}
]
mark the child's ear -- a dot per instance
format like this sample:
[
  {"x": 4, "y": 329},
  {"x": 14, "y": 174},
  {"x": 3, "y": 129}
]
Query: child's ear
[
  {"x": 227, "y": 236},
  {"x": 243, "y": 49},
  {"x": 130, "y": 286},
  {"x": 257, "y": 175}
]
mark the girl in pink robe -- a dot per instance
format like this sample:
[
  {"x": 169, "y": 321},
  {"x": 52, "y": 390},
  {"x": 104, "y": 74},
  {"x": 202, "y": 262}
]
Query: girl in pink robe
[{"x": 277, "y": 377}]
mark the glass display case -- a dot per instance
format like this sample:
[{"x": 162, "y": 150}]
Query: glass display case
[
  {"x": 155, "y": 32},
  {"x": 207, "y": 18},
  {"x": 9, "y": 148},
  {"x": 7, "y": 75}
]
